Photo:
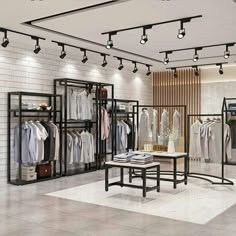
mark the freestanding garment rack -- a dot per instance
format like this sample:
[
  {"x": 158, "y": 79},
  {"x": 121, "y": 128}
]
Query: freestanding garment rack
[
  {"x": 16, "y": 98},
  {"x": 208, "y": 177},
  {"x": 66, "y": 83}
]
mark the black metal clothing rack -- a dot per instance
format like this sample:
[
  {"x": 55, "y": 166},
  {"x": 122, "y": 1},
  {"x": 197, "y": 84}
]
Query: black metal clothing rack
[
  {"x": 66, "y": 83},
  {"x": 203, "y": 176},
  {"x": 115, "y": 115},
  {"x": 184, "y": 107},
  {"x": 18, "y": 113}
]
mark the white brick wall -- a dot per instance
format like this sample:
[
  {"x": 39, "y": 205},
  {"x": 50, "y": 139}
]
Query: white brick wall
[{"x": 22, "y": 70}]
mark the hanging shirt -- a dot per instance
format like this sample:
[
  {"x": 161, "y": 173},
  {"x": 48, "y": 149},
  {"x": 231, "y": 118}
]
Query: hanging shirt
[
  {"x": 164, "y": 127},
  {"x": 154, "y": 125},
  {"x": 56, "y": 140},
  {"x": 195, "y": 140},
  {"x": 44, "y": 135},
  {"x": 84, "y": 106},
  {"x": 105, "y": 126},
  {"x": 73, "y": 106},
  {"x": 87, "y": 153},
  {"x": 144, "y": 126},
  {"x": 70, "y": 149},
  {"x": 215, "y": 142},
  {"x": 176, "y": 126},
  {"x": 27, "y": 142},
  {"x": 124, "y": 135}
]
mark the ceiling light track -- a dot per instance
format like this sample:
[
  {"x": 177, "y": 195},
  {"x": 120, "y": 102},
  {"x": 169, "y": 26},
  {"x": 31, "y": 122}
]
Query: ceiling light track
[
  {"x": 121, "y": 66},
  {"x": 196, "y": 49},
  {"x": 144, "y": 38},
  {"x": 196, "y": 67},
  {"x": 6, "y": 41}
]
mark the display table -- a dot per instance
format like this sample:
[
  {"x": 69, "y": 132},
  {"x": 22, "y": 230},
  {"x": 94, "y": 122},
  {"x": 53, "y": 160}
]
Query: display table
[
  {"x": 130, "y": 166},
  {"x": 173, "y": 156}
]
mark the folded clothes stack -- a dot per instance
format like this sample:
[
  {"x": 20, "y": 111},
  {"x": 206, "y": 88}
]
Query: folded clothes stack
[
  {"x": 142, "y": 159},
  {"x": 124, "y": 157}
]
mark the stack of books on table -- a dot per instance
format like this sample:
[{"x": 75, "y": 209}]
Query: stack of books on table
[
  {"x": 123, "y": 158},
  {"x": 142, "y": 159}
]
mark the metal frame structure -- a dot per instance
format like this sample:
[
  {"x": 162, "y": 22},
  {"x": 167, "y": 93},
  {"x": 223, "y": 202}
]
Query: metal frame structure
[
  {"x": 202, "y": 176},
  {"x": 114, "y": 116},
  {"x": 66, "y": 83},
  {"x": 20, "y": 114}
]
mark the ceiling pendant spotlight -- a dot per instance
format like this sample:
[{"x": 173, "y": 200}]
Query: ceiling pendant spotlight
[
  {"x": 148, "y": 71},
  {"x": 104, "y": 60},
  {"x": 181, "y": 32},
  {"x": 175, "y": 73},
  {"x": 166, "y": 59},
  {"x": 221, "y": 71},
  {"x": 196, "y": 71},
  {"x": 227, "y": 52},
  {"x": 121, "y": 66},
  {"x": 110, "y": 42},
  {"x": 85, "y": 58},
  {"x": 5, "y": 40},
  {"x": 63, "y": 52},
  {"x": 135, "y": 67},
  {"x": 144, "y": 37},
  {"x": 37, "y": 48},
  {"x": 196, "y": 56}
]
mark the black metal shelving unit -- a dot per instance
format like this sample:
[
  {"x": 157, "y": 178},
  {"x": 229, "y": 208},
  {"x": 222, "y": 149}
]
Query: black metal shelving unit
[
  {"x": 95, "y": 87},
  {"x": 19, "y": 114}
]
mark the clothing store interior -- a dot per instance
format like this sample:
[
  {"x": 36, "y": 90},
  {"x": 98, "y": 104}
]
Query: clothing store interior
[{"x": 118, "y": 117}]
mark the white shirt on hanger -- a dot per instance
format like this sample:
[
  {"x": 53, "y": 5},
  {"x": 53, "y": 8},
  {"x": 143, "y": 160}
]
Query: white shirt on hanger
[
  {"x": 144, "y": 126},
  {"x": 195, "y": 140},
  {"x": 154, "y": 125}
]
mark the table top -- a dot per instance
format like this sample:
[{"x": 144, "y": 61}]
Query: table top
[
  {"x": 163, "y": 154},
  {"x": 131, "y": 165}
]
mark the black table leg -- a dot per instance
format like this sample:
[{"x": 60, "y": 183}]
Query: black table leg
[
  {"x": 175, "y": 174},
  {"x": 144, "y": 182},
  {"x": 186, "y": 170},
  {"x": 158, "y": 178},
  {"x": 130, "y": 175},
  {"x": 106, "y": 178},
  {"x": 121, "y": 177}
]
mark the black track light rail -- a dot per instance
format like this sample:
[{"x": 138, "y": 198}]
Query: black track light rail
[
  {"x": 199, "y": 47},
  {"x": 194, "y": 66},
  {"x": 21, "y": 33},
  {"x": 149, "y": 26},
  {"x": 81, "y": 48},
  {"x": 133, "y": 61}
]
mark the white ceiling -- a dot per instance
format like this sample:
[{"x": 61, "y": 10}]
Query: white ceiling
[{"x": 216, "y": 26}]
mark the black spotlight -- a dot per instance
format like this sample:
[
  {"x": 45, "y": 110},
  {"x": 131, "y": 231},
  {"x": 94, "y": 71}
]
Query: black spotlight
[
  {"x": 181, "y": 32},
  {"x": 109, "y": 42},
  {"x": 227, "y": 52},
  {"x": 121, "y": 66},
  {"x": 144, "y": 37},
  {"x": 195, "y": 56},
  {"x": 37, "y": 47},
  {"x": 135, "y": 67},
  {"x": 196, "y": 71},
  {"x": 221, "y": 71},
  {"x": 166, "y": 59},
  {"x": 148, "y": 71},
  {"x": 85, "y": 58},
  {"x": 175, "y": 72},
  {"x": 104, "y": 61},
  {"x": 63, "y": 52},
  {"x": 5, "y": 40}
]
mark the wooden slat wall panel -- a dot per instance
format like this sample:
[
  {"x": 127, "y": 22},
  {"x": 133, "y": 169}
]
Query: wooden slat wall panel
[{"x": 184, "y": 90}]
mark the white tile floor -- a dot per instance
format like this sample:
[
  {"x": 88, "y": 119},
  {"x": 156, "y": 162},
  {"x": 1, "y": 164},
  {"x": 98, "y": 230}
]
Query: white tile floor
[{"x": 198, "y": 202}]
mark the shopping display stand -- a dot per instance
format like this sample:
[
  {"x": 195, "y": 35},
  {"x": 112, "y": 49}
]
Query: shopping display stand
[{"x": 16, "y": 116}]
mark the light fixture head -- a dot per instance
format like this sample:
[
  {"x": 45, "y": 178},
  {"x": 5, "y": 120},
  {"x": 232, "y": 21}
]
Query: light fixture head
[
  {"x": 175, "y": 74},
  {"x": 109, "y": 44},
  {"x": 63, "y": 54},
  {"x": 227, "y": 54},
  {"x": 144, "y": 39},
  {"x": 181, "y": 33},
  {"x": 135, "y": 67},
  {"x": 196, "y": 71},
  {"x": 195, "y": 57},
  {"x": 166, "y": 61},
  {"x": 37, "y": 49},
  {"x": 221, "y": 71},
  {"x": 104, "y": 61},
  {"x": 148, "y": 71},
  {"x": 85, "y": 59},
  {"x": 5, "y": 42},
  {"x": 121, "y": 66}
]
